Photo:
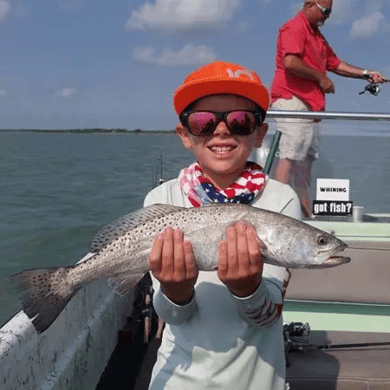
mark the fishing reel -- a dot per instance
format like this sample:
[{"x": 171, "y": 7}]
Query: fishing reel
[
  {"x": 296, "y": 337},
  {"x": 373, "y": 89},
  {"x": 296, "y": 331}
]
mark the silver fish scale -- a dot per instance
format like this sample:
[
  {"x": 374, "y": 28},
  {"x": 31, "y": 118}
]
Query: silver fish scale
[
  {"x": 114, "y": 229},
  {"x": 123, "y": 246},
  {"x": 152, "y": 218}
]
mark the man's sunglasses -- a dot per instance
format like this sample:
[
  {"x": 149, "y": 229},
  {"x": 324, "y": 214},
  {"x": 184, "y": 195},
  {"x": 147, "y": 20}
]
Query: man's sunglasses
[
  {"x": 204, "y": 123},
  {"x": 325, "y": 11}
]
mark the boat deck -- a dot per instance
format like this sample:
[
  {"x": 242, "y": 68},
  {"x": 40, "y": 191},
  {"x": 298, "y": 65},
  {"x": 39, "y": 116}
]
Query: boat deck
[{"x": 131, "y": 364}]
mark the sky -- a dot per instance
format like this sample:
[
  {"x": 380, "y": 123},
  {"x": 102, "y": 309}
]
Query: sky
[{"x": 115, "y": 64}]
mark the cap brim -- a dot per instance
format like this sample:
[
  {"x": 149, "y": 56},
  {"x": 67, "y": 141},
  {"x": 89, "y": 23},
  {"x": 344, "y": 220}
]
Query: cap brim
[{"x": 188, "y": 93}]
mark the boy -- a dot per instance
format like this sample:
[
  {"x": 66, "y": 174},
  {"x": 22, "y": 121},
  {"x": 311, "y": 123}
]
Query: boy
[{"x": 224, "y": 328}]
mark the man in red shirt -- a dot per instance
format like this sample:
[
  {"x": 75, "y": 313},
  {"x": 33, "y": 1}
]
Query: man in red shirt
[{"x": 300, "y": 84}]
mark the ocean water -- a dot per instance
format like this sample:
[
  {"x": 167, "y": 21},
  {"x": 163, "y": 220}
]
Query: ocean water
[{"x": 56, "y": 190}]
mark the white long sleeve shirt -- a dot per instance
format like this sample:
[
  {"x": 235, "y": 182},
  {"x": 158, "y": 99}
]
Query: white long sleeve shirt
[{"x": 220, "y": 341}]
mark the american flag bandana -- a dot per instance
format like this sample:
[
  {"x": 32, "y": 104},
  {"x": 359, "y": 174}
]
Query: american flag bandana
[{"x": 200, "y": 191}]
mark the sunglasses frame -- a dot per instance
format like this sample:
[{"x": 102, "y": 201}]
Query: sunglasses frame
[
  {"x": 222, "y": 117},
  {"x": 325, "y": 11}
]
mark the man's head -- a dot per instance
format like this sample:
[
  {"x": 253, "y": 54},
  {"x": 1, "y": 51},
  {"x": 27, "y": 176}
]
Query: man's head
[{"x": 317, "y": 12}]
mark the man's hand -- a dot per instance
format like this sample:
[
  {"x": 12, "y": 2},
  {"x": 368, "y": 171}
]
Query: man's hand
[
  {"x": 240, "y": 265},
  {"x": 297, "y": 67},
  {"x": 172, "y": 263},
  {"x": 374, "y": 77},
  {"x": 326, "y": 84}
]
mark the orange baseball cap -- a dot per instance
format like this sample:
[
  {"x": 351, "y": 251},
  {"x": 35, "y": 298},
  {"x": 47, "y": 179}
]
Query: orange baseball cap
[{"x": 221, "y": 77}]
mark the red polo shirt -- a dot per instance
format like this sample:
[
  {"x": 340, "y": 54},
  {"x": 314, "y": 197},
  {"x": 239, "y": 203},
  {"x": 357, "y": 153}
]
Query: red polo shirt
[{"x": 298, "y": 37}]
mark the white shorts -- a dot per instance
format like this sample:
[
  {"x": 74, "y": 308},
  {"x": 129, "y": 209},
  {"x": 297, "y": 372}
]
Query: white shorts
[{"x": 299, "y": 136}]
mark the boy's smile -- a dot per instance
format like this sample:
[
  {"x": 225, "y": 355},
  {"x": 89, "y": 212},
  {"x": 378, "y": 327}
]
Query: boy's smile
[
  {"x": 222, "y": 156},
  {"x": 221, "y": 149}
]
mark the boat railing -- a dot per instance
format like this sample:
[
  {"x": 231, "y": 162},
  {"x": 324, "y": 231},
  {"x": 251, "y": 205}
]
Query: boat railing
[
  {"x": 328, "y": 115},
  {"x": 320, "y": 115}
]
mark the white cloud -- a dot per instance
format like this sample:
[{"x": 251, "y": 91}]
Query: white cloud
[
  {"x": 182, "y": 14},
  {"x": 188, "y": 55},
  {"x": 368, "y": 26},
  {"x": 5, "y": 9},
  {"x": 3, "y": 93},
  {"x": 65, "y": 92}
]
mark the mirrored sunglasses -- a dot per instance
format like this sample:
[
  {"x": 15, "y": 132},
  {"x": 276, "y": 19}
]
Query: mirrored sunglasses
[
  {"x": 204, "y": 123},
  {"x": 325, "y": 11}
]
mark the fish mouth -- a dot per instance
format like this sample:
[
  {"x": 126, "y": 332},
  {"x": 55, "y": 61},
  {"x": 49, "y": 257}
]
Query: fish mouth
[{"x": 335, "y": 260}]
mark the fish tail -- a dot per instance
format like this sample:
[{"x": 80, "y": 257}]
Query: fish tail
[{"x": 44, "y": 293}]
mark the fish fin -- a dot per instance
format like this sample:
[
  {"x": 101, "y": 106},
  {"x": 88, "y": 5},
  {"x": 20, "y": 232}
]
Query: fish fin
[
  {"x": 112, "y": 230},
  {"x": 273, "y": 261},
  {"x": 268, "y": 256},
  {"x": 123, "y": 283},
  {"x": 44, "y": 293}
]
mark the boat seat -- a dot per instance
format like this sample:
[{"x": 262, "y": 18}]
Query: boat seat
[{"x": 363, "y": 368}]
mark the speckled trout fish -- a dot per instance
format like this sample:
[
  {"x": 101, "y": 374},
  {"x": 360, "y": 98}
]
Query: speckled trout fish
[{"x": 120, "y": 251}]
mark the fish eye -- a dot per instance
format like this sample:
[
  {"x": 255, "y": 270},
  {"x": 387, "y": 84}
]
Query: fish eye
[{"x": 322, "y": 240}]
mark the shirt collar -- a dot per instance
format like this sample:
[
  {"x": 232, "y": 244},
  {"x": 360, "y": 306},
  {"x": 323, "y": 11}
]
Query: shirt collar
[{"x": 303, "y": 17}]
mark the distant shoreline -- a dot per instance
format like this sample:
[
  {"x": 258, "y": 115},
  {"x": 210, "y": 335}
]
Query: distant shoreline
[
  {"x": 101, "y": 131},
  {"x": 94, "y": 131}
]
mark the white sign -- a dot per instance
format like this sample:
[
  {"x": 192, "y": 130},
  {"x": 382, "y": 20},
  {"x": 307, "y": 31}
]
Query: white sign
[{"x": 333, "y": 189}]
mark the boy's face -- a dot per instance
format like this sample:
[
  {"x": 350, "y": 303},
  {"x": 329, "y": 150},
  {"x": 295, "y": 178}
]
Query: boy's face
[{"x": 222, "y": 156}]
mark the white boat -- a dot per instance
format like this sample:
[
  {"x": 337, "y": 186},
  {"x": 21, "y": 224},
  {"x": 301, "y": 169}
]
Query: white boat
[{"x": 345, "y": 305}]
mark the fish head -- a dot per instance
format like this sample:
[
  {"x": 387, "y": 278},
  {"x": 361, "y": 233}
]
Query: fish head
[
  {"x": 327, "y": 251},
  {"x": 300, "y": 245}
]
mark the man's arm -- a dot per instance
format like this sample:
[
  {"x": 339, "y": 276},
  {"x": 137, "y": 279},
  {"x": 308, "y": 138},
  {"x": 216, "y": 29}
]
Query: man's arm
[
  {"x": 298, "y": 68},
  {"x": 348, "y": 70}
]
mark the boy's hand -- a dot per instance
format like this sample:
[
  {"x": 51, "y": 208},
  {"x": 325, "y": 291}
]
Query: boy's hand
[
  {"x": 240, "y": 265},
  {"x": 173, "y": 264}
]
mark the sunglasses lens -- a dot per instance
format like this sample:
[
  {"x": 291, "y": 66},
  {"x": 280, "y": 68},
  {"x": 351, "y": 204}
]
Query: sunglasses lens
[
  {"x": 238, "y": 122},
  {"x": 325, "y": 11},
  {"x": 241, "y": 122},
  {"x": 202, "y": 123}
]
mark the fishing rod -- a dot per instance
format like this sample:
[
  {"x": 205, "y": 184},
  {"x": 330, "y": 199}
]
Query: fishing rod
[
  {"x": 352, "y": 345},
  {"x": 272, "y": 152},
  {"x": 158, "y": 177},
  {"x": 296, "y": 339}
]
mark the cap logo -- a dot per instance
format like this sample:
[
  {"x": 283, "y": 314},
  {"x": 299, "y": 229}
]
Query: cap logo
[{"x": 236, "y": 74}]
